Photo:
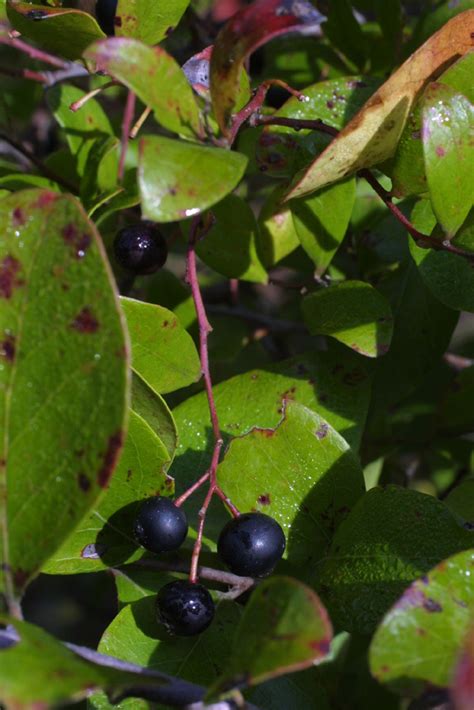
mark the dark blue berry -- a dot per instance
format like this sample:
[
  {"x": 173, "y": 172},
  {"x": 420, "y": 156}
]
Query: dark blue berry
[
  {"x": 186, "y": 609},
  {"x": 140, "y": 248},
  {"x": 160, "y": 526},
  {"x": 251, "y": 544},
  {"x": 105, "y": 12}
]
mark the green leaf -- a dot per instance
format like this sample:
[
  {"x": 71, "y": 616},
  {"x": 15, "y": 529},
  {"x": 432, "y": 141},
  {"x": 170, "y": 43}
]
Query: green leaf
[
  {"x": 345, "y": 33},
  {"x": 461, "y": 500},
  {"x": 154, "y": 410},
  {"x": 285, "y": 628},
  {"x": 136, "y": 636},
  {"x": 334, "y": 384},
  {"x": 64, "y": 375},
  {"x": 80, "y": 128},
  {"x": 163, "y": 353},
  {"x": 302, "y": 473},
  {"x": 354, "y": 313},
  {"x": 276, "y": 235},
  {"x": 447, "y": 276},
  {"x": 456, "y": 415},
  {"x": 421, "y": 636},
  {"x": 62, "y": 31},
  {"x": 448, "y": 146},
  {"x": 407, "y": 169},
  {"x": 57, "y": 675},
  {"x": 148, "y": 22},
  {"x": 179, "y": 180},
  {"x": 321, "y": 221},
  {"x": 100, "y": 171},
  {"x": 281, "y": 151},
  {"x": 155, "y": 77},
  {"x": 104, "y": 538},
  {"x": 390, "y": 538},
  {"x": 230, "y": 245}
]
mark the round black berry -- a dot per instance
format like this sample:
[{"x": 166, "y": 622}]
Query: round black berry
[
  {"x": 251, "y": 544},
  {"x": 186, "y": 609},
  {"x": 140, "y": 248},
  {"x": 105, "y": 12},
  {"x": 160, "y": 526}
]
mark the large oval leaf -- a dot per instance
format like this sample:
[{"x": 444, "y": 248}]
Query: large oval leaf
[
  {"x": 390, "y": 538},
  {"x": 422, "y": 634},
  {"x": 163, "y": 352},
  {"x": 373, "y": 134},
  {"x": 179, "y": 180},
  {"x": 448, "y": 146},
  {"x": 105, "y": 537},
  {"x": 302, "y": 473},
  {"x": 64, "y": 376},
  {"x": 63, "y": 31},
  {"x": 154, "y": 76},
  {"x": 285, "y": 628}
]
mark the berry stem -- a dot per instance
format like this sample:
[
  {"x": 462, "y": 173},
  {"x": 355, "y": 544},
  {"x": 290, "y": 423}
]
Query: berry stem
[
  {"x": 197, "y": 231},
  {"x": 425, "y": 241},
  {"x": 32, "y": 52}
]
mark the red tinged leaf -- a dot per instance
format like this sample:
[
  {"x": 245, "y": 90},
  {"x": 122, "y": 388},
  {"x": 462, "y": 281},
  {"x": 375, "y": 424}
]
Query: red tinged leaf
[
  {"x": 463, "y": 684},
  {"x": 243, "y": 34}
]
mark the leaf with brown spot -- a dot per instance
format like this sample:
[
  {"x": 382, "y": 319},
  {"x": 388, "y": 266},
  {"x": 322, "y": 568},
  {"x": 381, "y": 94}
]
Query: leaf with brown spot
[
  {"x": 63, "y": 390},
  {"x": 285, "y": 628},
  {"x": 148, "y": 21},
  {"x": 372, "y": 136},
  {"x": 247, "y": 30}
]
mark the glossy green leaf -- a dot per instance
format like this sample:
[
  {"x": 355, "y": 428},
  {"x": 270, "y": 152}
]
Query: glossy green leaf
[
  {"x": 154, "y": 410},
  {"x": 302, "y": 473},
  {"x": 421, "y": 636},
  {"x": 80, "y": 128},
  {"x": 57, "y": 675},
  {"x": 321, "y": 221},
  {"x": 179, "y": 180},
  {"x": 276, "y": 236},
  {"x": 64, "y": 376},
  {"x": 230, "y": 245},
  {"x": 334, "y": 384},
  {"x": 62, "y": 31},
  {"x": 390, "y": 538},
  {"x": 136, "y": 636},
  {"x": 105, "y": 537},
  {"x": 407, "y": 169},
  {"x": 148, "y": 22},
  {"x": 354, "y": 313},
  {"x": 154, "y": 76},
  {"x": 448, "y": 146},
  {"x": 447, "y": 276},
  {"x": 281, "y": 151},
  {"x": 285, "y": 628},
  {"x": 345, "y": 33},
  {"x": 163, "y": 353}
]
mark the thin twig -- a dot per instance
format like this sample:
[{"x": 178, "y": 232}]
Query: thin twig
[
  {"x": 238, "y": 585},
  {"x": 126, "y": 127},
  {"x": 139, "y": 123},
  {"x": 298, "y": 124},
  {"x": 33, "y": 52},
  {"x": 76, "y": 105},
  {"x": 44, "y": 169}
]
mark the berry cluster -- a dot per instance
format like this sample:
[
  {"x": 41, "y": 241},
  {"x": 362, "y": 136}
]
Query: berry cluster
[{"x": 249, "y": 545}]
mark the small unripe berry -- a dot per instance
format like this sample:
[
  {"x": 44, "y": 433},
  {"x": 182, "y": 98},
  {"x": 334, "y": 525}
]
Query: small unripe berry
[
  {"x": 186, "y": 609},
  {"x": 160, "y": 526},
  {"x": 140, "y": 248},
  {"x": 251, "y": 544}
]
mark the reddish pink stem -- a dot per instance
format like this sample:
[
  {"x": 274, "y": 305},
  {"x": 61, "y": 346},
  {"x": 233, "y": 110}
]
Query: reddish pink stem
[
  {"x": 33, "y": 52},
  {"x": 204, "y": 330},
  {"x": 126, "y": 127},
  {"x": 256, "y": 103}
]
